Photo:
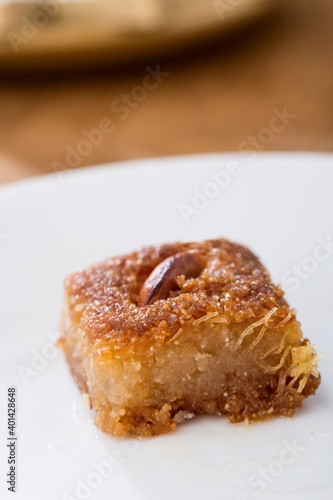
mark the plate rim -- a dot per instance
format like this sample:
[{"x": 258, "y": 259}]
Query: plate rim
[{"x": 171, "y": 161}]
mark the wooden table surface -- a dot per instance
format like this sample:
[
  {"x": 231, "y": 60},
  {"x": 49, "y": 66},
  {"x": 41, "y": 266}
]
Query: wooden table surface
[{"x": 268, "y": 88}]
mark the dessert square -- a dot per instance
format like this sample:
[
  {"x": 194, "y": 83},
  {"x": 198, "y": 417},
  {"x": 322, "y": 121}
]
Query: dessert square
[{"x": 160, "y": 335}]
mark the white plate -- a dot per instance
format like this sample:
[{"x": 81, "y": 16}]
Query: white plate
[{"x": 281, "y": 206}]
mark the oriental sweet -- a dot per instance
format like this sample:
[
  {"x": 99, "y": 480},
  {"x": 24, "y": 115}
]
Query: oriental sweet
[{"x": 160, "y": 335}]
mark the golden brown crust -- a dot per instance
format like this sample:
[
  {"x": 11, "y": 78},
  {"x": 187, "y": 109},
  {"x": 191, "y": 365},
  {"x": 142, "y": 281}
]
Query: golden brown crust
[{"x": 103, "y": 299}]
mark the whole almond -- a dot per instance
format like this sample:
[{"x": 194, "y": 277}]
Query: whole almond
[{"x": 163, "y": 278}]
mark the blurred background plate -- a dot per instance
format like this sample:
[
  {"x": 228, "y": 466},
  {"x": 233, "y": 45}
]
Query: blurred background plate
[{"x": 50, "y": 33}]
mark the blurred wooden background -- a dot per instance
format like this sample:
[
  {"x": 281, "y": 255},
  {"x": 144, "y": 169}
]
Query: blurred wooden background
[{"x": 213, "y": 99}]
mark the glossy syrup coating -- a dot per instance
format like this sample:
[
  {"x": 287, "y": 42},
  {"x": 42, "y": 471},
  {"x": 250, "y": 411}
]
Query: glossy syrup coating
[{"x": 103, "y": 299}]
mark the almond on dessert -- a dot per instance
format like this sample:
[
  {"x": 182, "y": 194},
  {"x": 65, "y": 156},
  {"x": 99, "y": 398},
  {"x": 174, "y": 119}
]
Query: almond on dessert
[{"x": 160, "y": 335}]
